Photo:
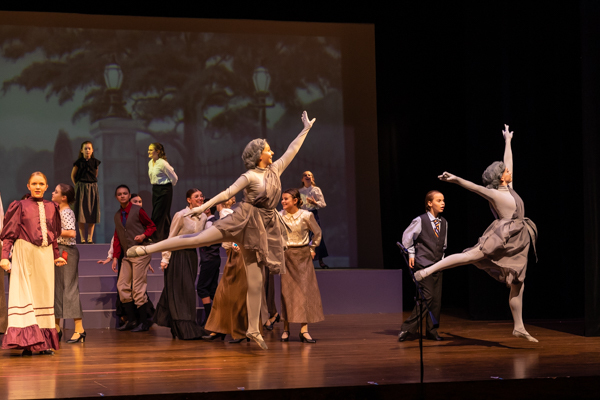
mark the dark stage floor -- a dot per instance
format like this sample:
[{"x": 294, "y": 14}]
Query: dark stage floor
[{"x": 356, "y": 356}]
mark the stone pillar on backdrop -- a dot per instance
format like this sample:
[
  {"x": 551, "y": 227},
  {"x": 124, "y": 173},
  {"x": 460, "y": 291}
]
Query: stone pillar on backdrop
[{"x": 114, "y": 140}]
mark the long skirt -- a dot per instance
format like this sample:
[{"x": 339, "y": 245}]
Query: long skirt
[
  {"x": 177, "y": 305},
  {"x": 162, "y": 196},
  {"x": 300, "y": 296},
  {"x": 31, "y": 299},
  {"x": 87, "y": 203},
  {"x": 67, "y": 303},
  {"x": 229, "y": 314}
]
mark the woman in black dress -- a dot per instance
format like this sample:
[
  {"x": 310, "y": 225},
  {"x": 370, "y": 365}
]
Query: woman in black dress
[
  {"x": 177, "y": 305},
  {"x": 87, "y": 200}
]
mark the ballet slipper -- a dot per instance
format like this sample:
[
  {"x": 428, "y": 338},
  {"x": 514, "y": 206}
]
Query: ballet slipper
[
  {"x": 258, "y": 339},
  {"x": 524, "y": 335},
  {"x": 136, "y": 251}
]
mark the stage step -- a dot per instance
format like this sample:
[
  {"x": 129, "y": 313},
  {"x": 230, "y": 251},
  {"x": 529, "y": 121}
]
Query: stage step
[{"x": 343, "y": 291}]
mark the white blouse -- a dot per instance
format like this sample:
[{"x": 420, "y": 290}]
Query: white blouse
[
  {"x": 161, "y": 172},
  {"x": 182, "y": 226},
  {"x": 301, "y": 223},
  {"x": 316, "y": 194}
]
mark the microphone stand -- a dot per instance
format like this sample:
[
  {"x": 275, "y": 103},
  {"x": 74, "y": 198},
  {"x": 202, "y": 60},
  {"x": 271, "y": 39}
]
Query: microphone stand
[{"x": 421, "y": 303}]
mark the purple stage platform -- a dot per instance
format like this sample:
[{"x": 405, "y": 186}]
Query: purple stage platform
[{"x": 343, "y": 291}]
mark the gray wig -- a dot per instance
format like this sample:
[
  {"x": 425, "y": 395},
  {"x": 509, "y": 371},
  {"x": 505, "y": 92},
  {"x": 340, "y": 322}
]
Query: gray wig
[
  {"x": 252, "y": 152},
  {"x": 492, "y": 175}
]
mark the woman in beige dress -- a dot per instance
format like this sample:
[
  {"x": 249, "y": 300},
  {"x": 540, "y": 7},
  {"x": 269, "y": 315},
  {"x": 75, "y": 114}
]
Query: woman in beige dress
[{"x": 300, "y": 296}]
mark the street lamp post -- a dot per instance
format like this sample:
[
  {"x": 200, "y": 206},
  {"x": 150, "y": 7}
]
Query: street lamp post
[
  {"x": 262, "y": 80},
  {"x": 113, "y": 78}
]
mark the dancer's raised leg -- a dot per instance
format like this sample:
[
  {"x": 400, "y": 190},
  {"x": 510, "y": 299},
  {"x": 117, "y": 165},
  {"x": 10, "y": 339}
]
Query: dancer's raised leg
[
  {"x": 203, "y": 238},
  {"x": 515, "y": 300},
  {"x": 452, "y": 261},
  {"x": 254, "y": 295}
]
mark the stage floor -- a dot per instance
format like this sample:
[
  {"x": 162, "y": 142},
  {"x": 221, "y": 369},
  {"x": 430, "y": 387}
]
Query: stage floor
[{"x": 352, "y": 350}]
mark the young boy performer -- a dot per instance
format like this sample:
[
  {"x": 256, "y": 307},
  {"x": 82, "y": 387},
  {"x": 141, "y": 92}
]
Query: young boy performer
[
  {"x": 132, "y": 227},
  {"x": 426, "y": 239}
]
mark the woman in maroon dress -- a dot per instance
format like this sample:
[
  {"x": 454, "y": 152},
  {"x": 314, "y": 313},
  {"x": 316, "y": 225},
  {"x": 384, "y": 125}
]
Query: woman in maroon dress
[{"x": 31, "y": 227}]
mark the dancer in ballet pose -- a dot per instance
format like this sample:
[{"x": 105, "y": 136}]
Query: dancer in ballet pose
[
  {"x": 502, "y": 249},
  {"x": 255, "y": 224}
]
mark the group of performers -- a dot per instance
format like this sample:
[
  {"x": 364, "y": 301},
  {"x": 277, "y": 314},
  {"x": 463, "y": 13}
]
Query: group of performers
[
  {"x": 39, "y": 242},
  {"x": 259, "y": 241}
]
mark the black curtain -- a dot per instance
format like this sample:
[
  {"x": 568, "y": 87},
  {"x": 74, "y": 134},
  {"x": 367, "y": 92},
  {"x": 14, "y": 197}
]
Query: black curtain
[
  {"x": 590, "y": 45},
  {"x": 448, "y": 79}
]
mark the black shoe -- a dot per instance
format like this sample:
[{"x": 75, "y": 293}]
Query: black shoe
[
  {"x": 145, "y": 317},
  {"x": 287, "y": 339},
  {"x": 270, "y": 326},
  {"x": 304, "y": 339},
  {"x": 26, "y": 353},
  {"x": 48, "y": 352},
  {"x": 143, "y": 327},
  {"x": 81, "y": 338},
  {"x": 239, "y": 340},
  {"x": 128, "y": 326},
  {"x": 324, "y": 266},
  {"x": 434, "y": 336},
  {"x": 214, "y": 337},
  {"x": 403, "y": 336}
]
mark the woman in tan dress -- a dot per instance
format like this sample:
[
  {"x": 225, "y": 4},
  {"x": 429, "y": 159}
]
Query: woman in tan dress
[
  {"x": 300, "y": 296},
  {"x": 31, "y": 228}
]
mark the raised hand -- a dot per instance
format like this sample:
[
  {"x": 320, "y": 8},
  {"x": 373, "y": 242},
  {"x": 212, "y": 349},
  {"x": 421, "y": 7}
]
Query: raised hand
[
  {"x": 307, "y": 123},
  {"x": 506, "y": 133},
  {"x": 448, "y": 177}
]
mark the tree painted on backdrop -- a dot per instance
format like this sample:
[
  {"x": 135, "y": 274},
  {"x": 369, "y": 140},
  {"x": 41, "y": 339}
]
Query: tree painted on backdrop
[{"x": 173, "y": 77}]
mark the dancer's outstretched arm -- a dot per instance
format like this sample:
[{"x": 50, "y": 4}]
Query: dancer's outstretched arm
[
  {"x": 287, "y": 157},
  {"x": 239, "y": 185},
  {"x": 508, "y": 158},
  {"x": 488, "y": 194}
]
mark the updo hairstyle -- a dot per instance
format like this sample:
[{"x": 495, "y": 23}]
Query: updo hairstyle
[{"x": 492, "y": 176}]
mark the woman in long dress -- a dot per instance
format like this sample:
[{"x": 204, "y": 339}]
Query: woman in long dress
[
  {"x": 255, "y": 223},
  {"x": 176, "y": 308},
  {"x": 229, "y": 314},
  {"x": 503, "y": 248},
  {"x": 67, "y": 303},
  {"x": 300, "y": 296},
  {"x": 31, "y": 227}
]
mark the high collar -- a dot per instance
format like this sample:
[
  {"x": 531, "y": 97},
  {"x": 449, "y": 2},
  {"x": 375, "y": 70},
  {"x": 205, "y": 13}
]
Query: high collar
[{"x": 30, "y": 197}]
